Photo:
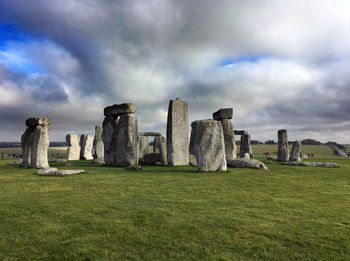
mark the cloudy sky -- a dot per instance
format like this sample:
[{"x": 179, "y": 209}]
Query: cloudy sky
[{"x": 279, "y": 64}]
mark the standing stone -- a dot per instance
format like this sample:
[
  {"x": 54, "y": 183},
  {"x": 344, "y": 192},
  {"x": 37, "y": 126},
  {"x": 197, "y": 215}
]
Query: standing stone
[
  {"x": 295, "y": 154},
  {"x": 177, "y": 133},
  {"x": 230, "y": 143},
  {"x": 109, "y": 129},
  {"x": 157, "y": 143},
  {"x": 192, "y": 138},
  {"x": 143, "y": 146},
  {"x": 86, "y": 144},
  {"x": 283, "y": 152},
  {"x": 126, "y": 141},
  {"x": 98, "y": 146},
  {"x": 163, "y": 151},
  {"x": 40, "y": 146},
  {"x": 73, "y": 150},
  {"x": 245, "y": 146},
  {"x": 210, "y": 146},
  {"x": 26, "y": 144}
]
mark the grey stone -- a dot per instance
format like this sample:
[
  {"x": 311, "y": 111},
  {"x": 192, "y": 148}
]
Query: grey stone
[
  {"x": 143, "y": 146},
  {"x": 312, "y": 164},
  {"x": 283, "y": 152},
  {"x": 58, "y": 161},
  {"x": 40, "y": 145},
  {"x": 126, "y": 141},
  {"x": 86, "y": 144},
  {"x": 149, "y": 133},
  {"x": 34, "y": 121},
  {"x": 246, "y": 163},
  {"x": 245, "y": 146},
  {"x": 151, "y": 158},
  {"x": 99, "y": 161},
  {"x": 177, "y": 133},
  {"x": 304, "y": 157},
  {"x": 192, "y": 160},
  {"x": 210, "y": 146},
  {"x": 240, "y": 132},
  {"x": 271, "y": 158},
  {"x": 109, "y": 131},
  {"x": 26, "y": 144},
  {"x": 295, "y": 154},
  {"x": 192, "y": 138},
  {"x": 73, "y": 150},
  {"x": 55, "y": 172},
  {"x": 120, "y": 109},
  {"x": 246, "y": 156},
  {"x": 163, "y": 151},
  {"x": 223, "y": 114},
  {"x": 15, "y": 163},
  {"x": 98, "y": 146},
  {"x": 46, "y": 171},
  {"x": 230, "y": 143}
]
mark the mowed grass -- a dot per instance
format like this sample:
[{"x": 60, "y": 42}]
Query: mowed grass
[{"x": 176, "y": 213}]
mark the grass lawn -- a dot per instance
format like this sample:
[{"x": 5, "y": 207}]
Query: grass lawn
[{"x": 162, "y": 213}]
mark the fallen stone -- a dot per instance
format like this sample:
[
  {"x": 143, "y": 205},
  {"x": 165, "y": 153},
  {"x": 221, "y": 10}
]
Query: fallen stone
[
  {"x": 304, "y": 157},
  {"x": 177, "y": 133},
  {"x": 283, "y": 152},
  {"x": 246, "y": 163},
  {"x": 34, "y": 121},
  {"x": 295, "y": 154},
  {"x": 271, "y": 158},
  {"x": 57, "y": 161},
  {"x": 120, "y": 109},
  {"x": 223, "y": 114},
  {"x": 151, "y": 158},
  {"x": 15, "y": 163},
  {"x": 312, "y": 164},
  {"x": 192, "y": 160},
  {"x": 47, "y": 171},
  {"x": 210, "y": 146},
  {"x": 55, "y": 172}
]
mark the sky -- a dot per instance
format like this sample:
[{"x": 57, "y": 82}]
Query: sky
[{"x": 278, "y": 64}]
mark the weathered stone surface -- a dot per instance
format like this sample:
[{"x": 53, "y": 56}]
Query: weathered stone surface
[
  {"x": 143, "y": 146},
  {"x": 304, "y": 157},
  {"x": 55, "y": 172},
  {"x": 26, "y": 144},
  {"x": 73, "y": 150},
  {"x": 240, "y": 132},
  {"x": 230, "y": 143},
  {"x": 15, "y": 163},
  {"x": 150, "y": 133},
  {"x": 58, "y": 161},
  {"x": 192, "y": 160},
  {"x": 120, "y": 109},
  {"x": 151, "y": 158},
  {"x": 271, "y": 158},
  {"x": 210, "y": 146},
  {"x": 246, "y": 156},
  {"x": 86, "y": 144},
  {"x": 163, "y": 151},
  {"x": 126, "y": 141},
  {"x": 34, "y": 121},
  {"x": 245, "y": 146},
  {"x": 246, "y": 163},
  {"x": 283, "y": 152},
  {"x": 109, "y": 131},
  {"x": 313, "y": 164},
  {"x": 177, "y": 133},
  {"x": 40, "y": 145},
  {"x": 295, "y": 154},
  {"x": 192, "y": 138},
  {"x": 98, "y": 146},
  {"x": 223, "y": 114},
  {"x": 99, "y": 161}
]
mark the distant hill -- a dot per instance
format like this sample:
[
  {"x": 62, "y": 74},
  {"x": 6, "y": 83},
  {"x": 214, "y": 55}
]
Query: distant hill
[{"x": 16, "y": 144}]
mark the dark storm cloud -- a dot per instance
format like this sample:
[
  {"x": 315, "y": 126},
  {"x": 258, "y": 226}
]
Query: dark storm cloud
[{"x": 97, "y": 52}]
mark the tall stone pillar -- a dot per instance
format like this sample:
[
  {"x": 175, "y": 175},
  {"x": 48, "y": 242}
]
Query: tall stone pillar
[
  {"x": 40, "y": 142},
  {"x": 86, "y": 145},
  {"x": 283, "y": 152},
  {"x": 296, "y": 149},
  {"x": 98, "y": 147},
  {"x": 177, "y": 133},
  {"x": 26, "y": 144},
  {"x": 209, "y": 146},
  {"x": 143, "y": 146},
  {"x": 245, "y": 146},
  {"x": 109, "y": 128},
  {"x": 73, "y": 150},
  {"x": 225, "y": 116}
]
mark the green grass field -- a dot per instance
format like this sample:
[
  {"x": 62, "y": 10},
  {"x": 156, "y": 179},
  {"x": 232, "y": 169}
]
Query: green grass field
[{"x": 162, "y": 213}]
